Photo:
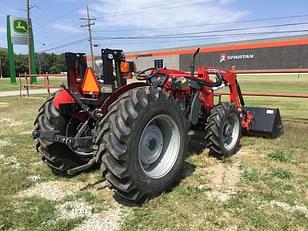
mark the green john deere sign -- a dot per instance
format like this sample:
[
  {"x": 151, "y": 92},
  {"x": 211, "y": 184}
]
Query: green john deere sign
[
  {"x": 20, "y": 26},
  {"x": 17, "y": 34},
  {"x": 19, "y": 30}
]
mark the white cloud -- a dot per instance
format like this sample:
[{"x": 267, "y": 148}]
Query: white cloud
[
  {"x": 66, "y": 27},
  {"x": 144, "y": 17},
  {"x": 2, "y": 30},
  {"x": 161, "y": 13}
]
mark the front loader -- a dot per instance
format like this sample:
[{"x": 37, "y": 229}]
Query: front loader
[{"x": 137, "y": 133}]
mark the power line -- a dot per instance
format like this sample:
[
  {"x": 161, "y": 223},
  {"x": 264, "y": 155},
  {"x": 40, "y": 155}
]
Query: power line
[
  {"x": 203, "y": 32},
  {"x": 64, "y": 45},
  {"x": 175, "y": 38},
  {"x": 234, "y": 29},
  {"x": 42, "y": 25},
  {"x": 161, "y": 6},
  {"x": 209, "y": 24},
  {"x": 263, "y": 36},
  {"x": 202, "y": 36},
  {"x": 167, "y": 40},
  {"x": 236, "y": 22}
]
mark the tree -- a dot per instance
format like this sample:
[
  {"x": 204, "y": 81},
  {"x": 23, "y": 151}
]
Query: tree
[
  {"x": 21, "y": 63},
  {"x": 4, "y": 61},
  {"x": 51, "y": 63}
]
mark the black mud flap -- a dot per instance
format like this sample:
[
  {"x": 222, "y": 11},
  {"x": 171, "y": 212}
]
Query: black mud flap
[{"x": 266, "y": 122}]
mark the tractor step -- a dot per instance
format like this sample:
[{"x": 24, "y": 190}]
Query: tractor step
[{"x": 266, "y": 122}]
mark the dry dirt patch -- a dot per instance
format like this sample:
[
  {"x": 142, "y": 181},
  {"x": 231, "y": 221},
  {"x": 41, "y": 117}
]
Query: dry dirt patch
[
  {"x": 109, "y": 220},
  {"x": 28, "y": 132},
  {"x": 223, "y": 180},
  {"x": 296, "y": 208},
  {"x": 52, "y": 190},
  {"x": 58, "y": 190},
  {"x": 8, "y": 122},
  {"x": 223, "y": 177}
]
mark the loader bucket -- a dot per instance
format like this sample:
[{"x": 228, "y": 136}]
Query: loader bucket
[{"x": 266, "y": 122}]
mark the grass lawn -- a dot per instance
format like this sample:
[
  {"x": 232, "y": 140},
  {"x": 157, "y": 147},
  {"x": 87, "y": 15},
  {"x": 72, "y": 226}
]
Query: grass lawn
[
  {"x": 263, "y": 187},
  {"x": 292, "y": 83},
  {"x": 5, "y": 84},
  {"x": 274, "y": 83}
]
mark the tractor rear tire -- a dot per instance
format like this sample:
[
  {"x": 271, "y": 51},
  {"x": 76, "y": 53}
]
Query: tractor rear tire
[
  {"x": 58, "y": 156},
  {"x": 223, "y": 130},
  {"x": 142, "y": 143}
]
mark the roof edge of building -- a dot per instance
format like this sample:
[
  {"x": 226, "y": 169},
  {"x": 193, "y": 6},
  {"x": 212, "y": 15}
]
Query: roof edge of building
[{"x": 218, "y": 46}]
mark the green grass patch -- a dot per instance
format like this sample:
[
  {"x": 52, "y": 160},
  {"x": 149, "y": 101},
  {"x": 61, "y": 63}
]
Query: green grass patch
[
  {"x": 33, "y": 214},
  {"x": 86, "y": 196},
  {"x": 256, "y": 218},
  {"x": 281, "y": 155},
  {"x": 226, "y": 160},
  {"x": 5, "y": 84},
  {"x": 251, "y": 174},
  {"x": 274, "y": 83},
  {"x": 282, "y": 173}
]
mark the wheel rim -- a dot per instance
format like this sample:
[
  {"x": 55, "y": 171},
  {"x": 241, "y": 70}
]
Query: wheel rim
[
  {"x": 71, "y": 130},
  {"x": 231, "y": 131},
  {"x": 159, "y": 146}
]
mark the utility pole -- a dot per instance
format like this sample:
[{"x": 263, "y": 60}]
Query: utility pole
[
  {"x": 28, "y": 8},
  {"x": 89, "y": 24}
]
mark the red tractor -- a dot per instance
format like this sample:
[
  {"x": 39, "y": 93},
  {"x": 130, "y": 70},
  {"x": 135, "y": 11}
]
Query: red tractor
[{"x": 137, "y": 133}]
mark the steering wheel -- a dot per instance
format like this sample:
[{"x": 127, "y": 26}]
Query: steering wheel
[
  {"x": 217, "y": 83},
  {"x": 142, "y": 76}
]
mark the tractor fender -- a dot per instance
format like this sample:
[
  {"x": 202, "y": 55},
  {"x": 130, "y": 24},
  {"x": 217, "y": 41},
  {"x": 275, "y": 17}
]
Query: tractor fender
[
  {"x": 62, "y": 97},
  {"x": 195, "y": 109},
  {"x": 118, "y": 92}
]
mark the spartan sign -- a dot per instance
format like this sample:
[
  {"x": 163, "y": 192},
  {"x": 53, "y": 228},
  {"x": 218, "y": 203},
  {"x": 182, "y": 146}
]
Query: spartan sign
[
  {"x": 223, "y": 58},
  {"x": 20, "y": 26}
]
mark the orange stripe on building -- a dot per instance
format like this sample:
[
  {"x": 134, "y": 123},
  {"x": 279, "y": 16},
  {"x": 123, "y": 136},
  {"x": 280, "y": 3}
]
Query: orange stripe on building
[{"x": 224, "y": 48}]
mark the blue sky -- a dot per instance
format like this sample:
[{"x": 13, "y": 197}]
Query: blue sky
[{"x": 56, "y": 23}]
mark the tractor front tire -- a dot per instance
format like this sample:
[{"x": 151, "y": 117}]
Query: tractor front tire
[
  {"x": 58, "y": 156},
  {"x": 142, "y": 143},
  {"x": 223, "y": 130}
]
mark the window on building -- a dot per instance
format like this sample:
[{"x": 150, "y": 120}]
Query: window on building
[{"x": 159, "y": 63}]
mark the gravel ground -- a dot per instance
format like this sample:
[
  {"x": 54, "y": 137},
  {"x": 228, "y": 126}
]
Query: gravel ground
[
  {"x": 57, "y": 190},
  {"x": 296, "y": 208},
  {"x": 108, "y": 221},
  {"x": 52, "y": 190},
  {"x": 7, "y": 122},
  {"x": 9, "y": 160}
]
